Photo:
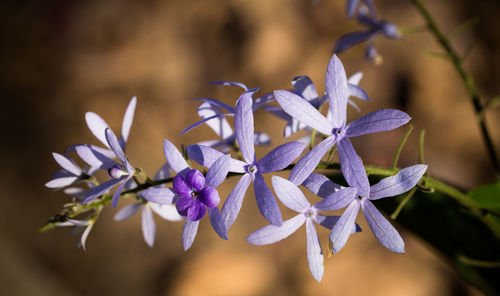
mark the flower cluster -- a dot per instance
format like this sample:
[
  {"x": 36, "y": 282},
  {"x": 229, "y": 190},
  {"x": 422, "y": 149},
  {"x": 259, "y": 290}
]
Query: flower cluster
[{"x": 192, "y": 195}]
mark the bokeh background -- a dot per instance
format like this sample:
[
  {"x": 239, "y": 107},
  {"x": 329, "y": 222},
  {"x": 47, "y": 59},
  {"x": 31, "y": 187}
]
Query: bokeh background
[{"x": 60, "y": 59}]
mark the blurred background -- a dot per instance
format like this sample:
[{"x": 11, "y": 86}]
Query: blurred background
[{"x": 60, "y": 59}]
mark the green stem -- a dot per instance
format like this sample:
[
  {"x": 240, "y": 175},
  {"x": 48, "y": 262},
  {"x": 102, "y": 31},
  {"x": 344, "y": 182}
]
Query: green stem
[
  {"x": 403, "y": 203},
  {"x": 400, "y": 147},
  {"x": 466, "y": 78}
]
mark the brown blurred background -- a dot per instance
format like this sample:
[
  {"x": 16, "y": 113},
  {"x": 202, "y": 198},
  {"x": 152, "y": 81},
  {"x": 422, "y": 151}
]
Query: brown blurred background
[{"x": 60, "y": 59}]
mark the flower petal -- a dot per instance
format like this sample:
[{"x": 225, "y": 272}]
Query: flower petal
[
  {"x": 97, "y": 126},
  {"x": 343, "y": 228},
  {"x": 270, "y": 234},
  {"x": 357, "y": 92},
  {"x": 164, "y": 172},
  {"x": 261, "y": 139},
  {"x": 219, "y": 125},
  {"x": 314, "y": 253},
  {"x": 231, "y": 83},
  {"x": 355, "y": 78},
  {"x": 148, "y": 226},
  {"x": 100, "y": 190},
  {"x": 386, "y": 234},
  {"x": 218, "y": 171},
  {"x": 337, "y": 200},
  {"x": 266, "y": 201},
  {"x": 232, "y": 205},
  {"x": 217, "y": 103},
  {"x": 290, "y": 195},
  {"x": 200, "y": 122},
  {"x": 67, "y": 164},
  {"x": 307, "y": 164},
  {"x": 167, "y": 212},
  {"x": 118, "y": 192},
  {"x": 351, "y": 39},
  {"x": 400, "y": 183},
  {"x": 181, "y": 187},
  {"x": 243, "y": 126},
  {"x": 183, "y": 204},
  {"x": 217, "y": 222},
  {"x": 320, "y": 185},
  {"x": 115, "y": 145},
  {"x": 329, "y": 221},
  {"x": 95, "y": 158},
  {"x": 128, "y": 211},
  {"x": 305, "y": 88},
  {"x": 209, "y": 196},
  {"x": 206, "y": 156},
  {"x": 195, "y": 179},
  {"x": 336, "y": 88},
  {"x": 189, "y": 233},
  {"x": 303, "y": 111},
  {"x": 352, "y": 167},
  {"x": 378, "y": 121},
  {"x": 128, "y": 118},
  {"x": 159, "y": 195},
  {"x": 196, "y": 211},
  {"x": 61, "y": 182},
  {"x": 280, "y": 157},
  {"x": 174, "y": 157},
  {"x": 351, "y": 7}
]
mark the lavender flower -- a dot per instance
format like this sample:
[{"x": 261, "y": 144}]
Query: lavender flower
[
  {"x": 335, "y": 128},
  {"x": 276, "y": 160},
  {"x": 193, "y": 194},
  {"x": 83, "y": 226},
  {"x": 119, "y": 172},
  {"x": 385, "y": 233},
  {"x": 70, "y": 173},
  {"x": 368, "y": 17},
  {"x": 292, "y": 197},
  {"x": 165, "y": 211}
]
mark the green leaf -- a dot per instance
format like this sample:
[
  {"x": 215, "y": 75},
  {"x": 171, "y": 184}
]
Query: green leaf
[{"x": 487, "y": 196}]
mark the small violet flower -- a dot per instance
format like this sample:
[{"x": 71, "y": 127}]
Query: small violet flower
[
  {"x": 165, "y": 211},
  {"x": 252, "y": 169},
  {"x": 70, "y": 173},
  {"x": 335, "y": 128},
  {"x": 368, "y": 17},
  {"x": 292, "y": 197},
  {"x": 192, "y": 193},
  {"x": 385, "y": 233}
]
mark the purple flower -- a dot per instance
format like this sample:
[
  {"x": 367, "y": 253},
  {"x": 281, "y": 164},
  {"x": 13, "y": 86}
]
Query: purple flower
[
  {"x": 368, "y": 17},
  {"x": 385, "y": 233},
  {"x": 292, "y": 197},
  {"x": 335, "y": 128},
  {"x": 252, "y": 169},
  {"x": 165, "y": 211},
  {"x": 120, "y": 172},
  {"x": 70, "y": 173},
  {"x": 193, "y": 193},
  {"x": 304, "y": 87}
]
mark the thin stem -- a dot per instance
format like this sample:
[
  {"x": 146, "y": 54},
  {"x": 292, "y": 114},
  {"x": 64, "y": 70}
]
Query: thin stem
[
  {"x": 403, "y": 203},
  {"x": 400, "y": 146},
  {"x": 467, "y": 80},
  {"x": 421, "y": 147}
]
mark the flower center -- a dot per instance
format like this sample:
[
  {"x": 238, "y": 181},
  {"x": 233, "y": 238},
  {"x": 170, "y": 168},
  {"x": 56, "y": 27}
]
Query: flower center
[
  {"x": 195, "y": 194},
  {"x": 251, "y": 169},
  {"x": 339, "y": 132},
  {"x": 310, "y": 213}
]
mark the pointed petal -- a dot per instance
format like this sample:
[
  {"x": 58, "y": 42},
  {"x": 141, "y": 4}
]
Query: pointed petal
[
  {"x": 305, "y": 88},
  {"x": 357, "y": 92},
  {"x": 231, "y": 83},
  {"x": 217, "y": 103},
  {"x": 266, "y": 201},
  {"x": 196, "y": 211},
  {"x": 343, "y": 228},
  {"x": 378, "y": 121},
  {"x": 320, "y": 185},
  {"x": 400, "y": 183},
  {"x": 67, "y": 164},
  {"x": 303, "y": 111},
  {"x": 206, "y": 156},
  {"x": 352, "y": 167},
  {"x": 164, "y": 172},
  {"x": 355, "y": 78},
  {"x": 115, "y": 145},
  {"x": 167, "y": 212},
  {"x": 290, "y": 195},
  {"x": 351, "y": 7},
  {"x": 159, "y": 195},
  {"x": 336, "y": 88},
  {"x": 277, "y": 111},
  {"x": 100, "y": 190},
  {"x": 97, "y": 126},
  {"x": 386, "y": 234},
  {"x": 117, "y": 193},
  {"x": 337, "y": 200},
  {"x": 351, "y": 39},
  {"x": 218, "y": 171},
  {"x": 217, "y": 222},
  {"x": 307, "y": 164},
  {"x": 189, "y": 233},
  {"x": 209, "y": 196},
  {"x": 183, "y": 204},
  {"x": 329, "y": 221},
  {"x": 243, "y": 126},
  {"x": 95, "y": 158},
  {"x": 314, "y": 253},
  {"x": 219, "y": 125},
  {"x": 128, "y": 118},
  {"x": 128, "y": 211},
  {"x": 174, "y": 157},
  {"x": 232, "y": 205},
  {"x": 200, "y": 122},
  {"x": 194, "y": 179},
  {"x": 280, "y": 157},
  {"x": 270, "y": 234},
  {"x": 148, "y": 226},
  {"x": 61, "y": 182},
  {"x": 85, "y": 234}
]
